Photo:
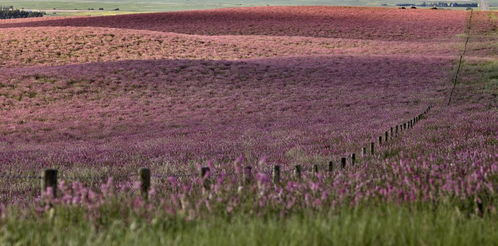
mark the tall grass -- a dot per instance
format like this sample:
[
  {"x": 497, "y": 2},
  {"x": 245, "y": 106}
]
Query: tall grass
[{"x": 372, "y": 225}]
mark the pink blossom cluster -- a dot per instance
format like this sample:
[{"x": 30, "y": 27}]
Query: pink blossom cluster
[
  {"x": 101, "y": 97},
  {"x": 308, "y": 21}
]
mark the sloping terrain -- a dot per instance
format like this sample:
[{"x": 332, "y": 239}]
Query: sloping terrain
[
  {"x": 278, "y": 85},
  {"x": 314, "y": 21}
]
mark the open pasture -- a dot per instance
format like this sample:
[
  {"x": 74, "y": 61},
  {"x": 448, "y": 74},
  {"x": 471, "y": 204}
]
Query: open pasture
[
  {"x": 299, "y": 86},
  {"x": 99, "y": 97},
  {"x": 311, "y": 21}
]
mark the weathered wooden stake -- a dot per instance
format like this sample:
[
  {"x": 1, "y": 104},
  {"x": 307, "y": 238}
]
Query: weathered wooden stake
[
  {"x": 392, "y": 132},
  {"x": 397, "y": 130},
  {"x": 144, "y": 174},
  {"x": 386, "y": 136},
  {"x": 276, "y": 174},
  {"x": 204, "y": 175},
  {"x": 204, "y": 171},
  {"x": 247, "y": 175},
  {"x": 364, "y": 151},
  {"x": 331, "y": 166},
  {"x": 372, "y": 148},
  {"x": 353, "y": 159},
  {"x": 380, "y": 140},
  {"x": 343, "y": 162},
  {"x": 297, "y": 171},
  {"x": 315, "y": 168},
  {"x": 49, "y": 180}
]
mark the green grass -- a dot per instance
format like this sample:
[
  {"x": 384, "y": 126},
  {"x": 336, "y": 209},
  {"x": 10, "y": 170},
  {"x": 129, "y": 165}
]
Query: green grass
[{"x": 386, "y": 225}]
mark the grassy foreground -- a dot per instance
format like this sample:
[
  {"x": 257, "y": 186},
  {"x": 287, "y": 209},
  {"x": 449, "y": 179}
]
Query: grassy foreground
[{"x": 387, "y": 225}]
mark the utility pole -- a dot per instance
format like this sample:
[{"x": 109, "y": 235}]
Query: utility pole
[{"x": 483, "y": 5}]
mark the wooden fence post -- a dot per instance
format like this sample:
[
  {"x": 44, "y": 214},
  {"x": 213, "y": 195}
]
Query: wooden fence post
[
  {"x": 247, "y": 175},
  {"x": 364, "y": 151},
  {"x": 397, "y": 130},
  {"x": 315, "y": 169},
  {"x": 343, "y": 162},
  {"x": 392, "y": 132},
  {"x": 331, "y": 166},
  {"x": 204, "y": 175},
  {"x": 353, "y": 159},
  {"x": 276, "y": 174},
  {"x": 297, "y": 171},
  {"x": 380, "y": 140},
  {"x": 372, "y": 148},
  {"x": 386, "y": 136},
  {"x": 49, "y": 180},
  {"x": 144, "y": 174}
]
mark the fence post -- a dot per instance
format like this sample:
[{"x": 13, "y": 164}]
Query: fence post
[
  {"x": 49, "y": 180},
  {"x": 380, "y": 140},
  {"x": 331, "y": 166},
  {"x": 204, "y": 175},
  {"x": 247, "y": 175},
  {"x": 386, "y": 134},
  {"x": 372, "y": 148},
  {"x": 315, "y": 169},
  {"x": 297, "y": 171},
  {"x": 343, "y": 162},
  {"x": 144, "y": 174},
  {"x": 363, "y": 151},
  {"x": 397, "y": 130},
  {"x": 392, "y": 132},
  {"x": 353, "y": 159},
  {"x": 276, "y": 174}
]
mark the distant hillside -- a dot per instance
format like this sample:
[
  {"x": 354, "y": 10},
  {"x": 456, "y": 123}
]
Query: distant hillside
[{"x": 112, "y": 7}]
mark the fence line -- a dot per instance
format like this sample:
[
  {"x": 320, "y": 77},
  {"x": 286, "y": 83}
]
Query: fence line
[
  {"x": 460, "y": 62},
  {"x": 50, "y": 177}
]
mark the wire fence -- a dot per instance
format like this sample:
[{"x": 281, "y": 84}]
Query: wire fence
[
  {"x": 460, "y": 62},
  {"x": 50, "y": 177}
]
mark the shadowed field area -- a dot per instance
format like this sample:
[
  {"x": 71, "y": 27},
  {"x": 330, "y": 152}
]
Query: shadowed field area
[{"x": 99, "y": 97}]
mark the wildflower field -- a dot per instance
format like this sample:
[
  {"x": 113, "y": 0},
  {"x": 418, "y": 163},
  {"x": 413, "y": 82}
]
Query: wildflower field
[{"x": 280, "y": 107}]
